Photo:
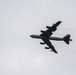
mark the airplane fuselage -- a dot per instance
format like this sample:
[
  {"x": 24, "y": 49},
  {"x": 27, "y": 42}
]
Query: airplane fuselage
[{"x": 50, "y": 38}]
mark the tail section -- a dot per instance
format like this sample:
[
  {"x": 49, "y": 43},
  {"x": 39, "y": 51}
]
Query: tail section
[{"x": 67, "y": 38}]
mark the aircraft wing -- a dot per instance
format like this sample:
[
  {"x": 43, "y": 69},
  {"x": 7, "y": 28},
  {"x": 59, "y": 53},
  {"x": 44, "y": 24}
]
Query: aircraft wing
[
  {"x": 51, "y": 29},
  {"x": 49, "y": 44}
]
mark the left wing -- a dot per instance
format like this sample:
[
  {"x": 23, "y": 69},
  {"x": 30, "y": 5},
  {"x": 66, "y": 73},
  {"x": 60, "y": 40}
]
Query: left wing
[
  {"x": 49, "y": 45},
  {"x": 49, "y": 31}
]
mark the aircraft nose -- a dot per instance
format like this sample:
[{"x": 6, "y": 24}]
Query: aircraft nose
[{"x": 30, "y": 35}]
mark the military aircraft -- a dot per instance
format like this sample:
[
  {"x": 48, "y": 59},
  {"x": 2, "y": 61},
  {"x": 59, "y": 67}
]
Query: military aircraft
[{"x": 45, "y": 36}]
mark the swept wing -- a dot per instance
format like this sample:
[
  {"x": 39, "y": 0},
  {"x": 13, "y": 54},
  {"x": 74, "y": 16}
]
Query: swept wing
[
  {"x": 48, "y": 33},
  {"x": 49, "y": 44},
  {"x": 51, "y": 29}
]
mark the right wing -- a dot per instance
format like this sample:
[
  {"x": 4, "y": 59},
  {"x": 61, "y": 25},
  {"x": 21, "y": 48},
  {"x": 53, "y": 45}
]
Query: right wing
[
  {"x": 49, "y": 44},
  {"x": 51, "y": 29}
]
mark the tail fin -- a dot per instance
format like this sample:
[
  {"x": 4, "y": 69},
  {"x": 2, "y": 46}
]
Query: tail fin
[{"x": 67, "y": 38}]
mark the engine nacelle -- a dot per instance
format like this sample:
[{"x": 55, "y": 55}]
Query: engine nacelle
[
  {"x": 48, "y": 27},
  {"x": 42, "y": 31},
  {"x": 42, "y": 43},
  {"x": 47, "y": 48}
]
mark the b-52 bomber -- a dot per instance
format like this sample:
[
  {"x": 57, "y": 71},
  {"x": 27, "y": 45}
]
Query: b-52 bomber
[{"x": 45, "y": 36}]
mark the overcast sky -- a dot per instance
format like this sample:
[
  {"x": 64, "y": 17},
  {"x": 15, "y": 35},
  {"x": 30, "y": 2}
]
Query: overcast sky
[{"x": 22, "y": 55}]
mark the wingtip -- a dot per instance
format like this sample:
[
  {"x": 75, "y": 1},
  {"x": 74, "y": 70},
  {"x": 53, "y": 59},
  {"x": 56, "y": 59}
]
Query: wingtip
[
  {"x": 54, "y": 52},
  {"x": 60, "y": 21}
]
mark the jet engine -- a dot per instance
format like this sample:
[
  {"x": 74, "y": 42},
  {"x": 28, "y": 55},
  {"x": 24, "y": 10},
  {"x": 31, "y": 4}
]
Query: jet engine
[
  {"x": 42, "y": 43},
  {"x": 48, "y": 27},
  {"x": 42, "y": 31},
  {"x": 47, "y": 48}
]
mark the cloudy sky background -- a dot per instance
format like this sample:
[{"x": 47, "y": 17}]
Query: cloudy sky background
[{"x": 22, "y": 55}]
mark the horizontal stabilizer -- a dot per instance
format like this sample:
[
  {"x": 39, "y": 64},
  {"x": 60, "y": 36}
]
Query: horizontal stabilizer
[{"x": 67, "y": 38}]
